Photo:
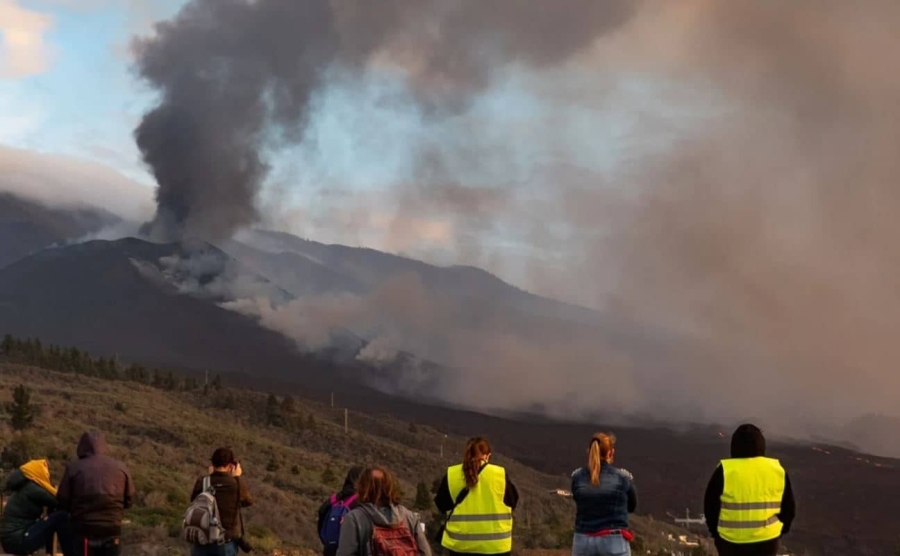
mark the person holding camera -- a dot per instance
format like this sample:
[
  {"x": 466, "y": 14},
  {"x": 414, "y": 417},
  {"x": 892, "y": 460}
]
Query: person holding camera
[{"x": 231, "y": 495}]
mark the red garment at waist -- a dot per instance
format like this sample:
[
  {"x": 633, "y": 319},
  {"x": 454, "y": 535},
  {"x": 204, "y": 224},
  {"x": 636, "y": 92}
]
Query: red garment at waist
[{"x": 626, "y": 534}]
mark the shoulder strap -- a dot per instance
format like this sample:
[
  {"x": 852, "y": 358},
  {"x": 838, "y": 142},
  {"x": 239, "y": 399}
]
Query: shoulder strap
[
  {"x": 207, "y": 483},
  {"x": 237, "y": 498},
  {"x": 459, "y": 500},
  {"x": 462, "y": 495},
  {"x": 350, "y": 499}
]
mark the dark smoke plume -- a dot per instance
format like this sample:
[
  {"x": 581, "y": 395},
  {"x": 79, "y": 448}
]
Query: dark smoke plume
[{"x": 236, "y": 76}]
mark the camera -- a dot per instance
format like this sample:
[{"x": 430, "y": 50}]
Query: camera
[{"x": 244, "y": 545}]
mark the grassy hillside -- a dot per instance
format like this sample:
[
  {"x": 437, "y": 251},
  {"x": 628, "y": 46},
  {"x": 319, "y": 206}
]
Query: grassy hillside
[{"x": 294, "y": 454}]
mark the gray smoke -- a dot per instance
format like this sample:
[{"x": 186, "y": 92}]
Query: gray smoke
[
  {"x": 236, "y": 77},
  {"x": 724, "y": 169}
]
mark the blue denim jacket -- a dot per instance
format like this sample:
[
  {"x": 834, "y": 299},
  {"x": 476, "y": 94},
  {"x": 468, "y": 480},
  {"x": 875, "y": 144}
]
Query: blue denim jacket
[{"x": 605, "y": 506}]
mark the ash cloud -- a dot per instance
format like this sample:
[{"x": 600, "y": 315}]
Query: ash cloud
[
  {"x": 236, "y": 77},
  {"x": 723, "y": 170}
]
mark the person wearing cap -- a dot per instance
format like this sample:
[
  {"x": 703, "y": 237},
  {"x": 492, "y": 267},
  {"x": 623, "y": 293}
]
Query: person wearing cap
[{"x": 749, "y": 503}]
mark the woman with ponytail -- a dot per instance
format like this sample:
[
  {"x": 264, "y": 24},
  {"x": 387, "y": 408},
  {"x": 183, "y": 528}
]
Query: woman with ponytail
[
  {"x": 480, "y": 499},
  {"x": 604, "y": 496}
]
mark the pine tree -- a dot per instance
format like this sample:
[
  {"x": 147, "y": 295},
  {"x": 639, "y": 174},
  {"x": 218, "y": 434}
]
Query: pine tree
[
  {"x": 274, "y": 418},
  {"x": 7, "y": 346},
  {"x": 21, "y": 410},
  {"x": 217, "y": 382},
  {"x": 287, "y": 405},
  {"x": 423, "y": 497}
]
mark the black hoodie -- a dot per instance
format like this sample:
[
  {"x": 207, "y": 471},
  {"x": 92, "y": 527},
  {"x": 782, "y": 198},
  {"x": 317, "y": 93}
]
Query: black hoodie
[
  {"x": 746, "y": 442},
  {"x": 96, "y": 490}
]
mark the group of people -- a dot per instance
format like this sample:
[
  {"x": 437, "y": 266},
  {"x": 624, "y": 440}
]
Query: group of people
[
  {"x": 85, "y": 511},
  {"x": 749, "y": 505}
]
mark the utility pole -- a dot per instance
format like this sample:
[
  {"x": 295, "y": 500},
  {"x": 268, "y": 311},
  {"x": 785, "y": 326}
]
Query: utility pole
[
  {"x": 332, "y": 399},
  {"x": 346, "y": 421},
  {"x": 206, "y": 380}
]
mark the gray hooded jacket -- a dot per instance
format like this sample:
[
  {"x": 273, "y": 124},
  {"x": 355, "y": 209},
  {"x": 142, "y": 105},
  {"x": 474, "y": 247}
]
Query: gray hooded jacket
[{"x": 356, "y": 530}]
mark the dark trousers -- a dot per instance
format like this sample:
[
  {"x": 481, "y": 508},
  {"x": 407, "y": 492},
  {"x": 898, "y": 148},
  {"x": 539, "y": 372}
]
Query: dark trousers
[
  {"x": 40, "y": 534},
  {"x": 227, "y": 549},
  {"x": 109, "y": 546},
  {"x": 767, "y": 548}
]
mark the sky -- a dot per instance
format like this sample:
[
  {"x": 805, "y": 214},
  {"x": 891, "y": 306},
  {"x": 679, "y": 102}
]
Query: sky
[{"x": 66, "y": 83}]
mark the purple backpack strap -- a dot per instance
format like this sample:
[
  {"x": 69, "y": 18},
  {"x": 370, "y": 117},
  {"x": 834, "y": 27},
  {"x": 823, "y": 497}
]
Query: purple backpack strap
[
  {"x": 350, "y": 499},
  {"x": 333, "y": 499}
]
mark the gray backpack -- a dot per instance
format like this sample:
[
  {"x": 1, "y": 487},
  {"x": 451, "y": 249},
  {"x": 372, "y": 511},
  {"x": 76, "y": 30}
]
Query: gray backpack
[{"x": 202, "y": 524}]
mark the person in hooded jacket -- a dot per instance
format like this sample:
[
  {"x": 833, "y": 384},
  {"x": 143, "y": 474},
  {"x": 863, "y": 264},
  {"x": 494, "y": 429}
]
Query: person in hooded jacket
[
  {"x": 346, "y": 492},
  {"x": 749, "y": 503},
  {"x": 95, "y": 490},
  {"x": 379, "y": 506},
  {"x": 22, "y": 529}
]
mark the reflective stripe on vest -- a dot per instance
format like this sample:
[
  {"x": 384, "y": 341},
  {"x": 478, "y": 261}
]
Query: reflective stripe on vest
[
  {"x": 482, "y": 523},
  {"x": 751, "y": 500}
]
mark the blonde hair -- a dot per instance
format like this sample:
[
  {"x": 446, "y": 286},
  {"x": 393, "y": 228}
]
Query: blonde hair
[{"x": 602, "y": 445}]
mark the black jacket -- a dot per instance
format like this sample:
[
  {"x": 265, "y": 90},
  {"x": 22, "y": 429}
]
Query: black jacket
[
  {"x": 24, "y": 507},
  {"x": 95, "y": 490}
]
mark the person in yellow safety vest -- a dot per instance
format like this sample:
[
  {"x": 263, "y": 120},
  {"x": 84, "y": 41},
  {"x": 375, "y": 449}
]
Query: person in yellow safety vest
[
  {"x": 481, "y": 499},
  {"x": 749, "y": 503}
]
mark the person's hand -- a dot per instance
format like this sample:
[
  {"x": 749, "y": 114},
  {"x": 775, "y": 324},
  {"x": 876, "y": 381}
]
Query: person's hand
[{"x": 238, "y": 470}]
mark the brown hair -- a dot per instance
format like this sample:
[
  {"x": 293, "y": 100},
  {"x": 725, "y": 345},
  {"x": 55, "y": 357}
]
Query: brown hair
[
  {"x": 476, "y": 452},
  {"x": 602, "y": 445},
  {"x": 377, "y": 486},
  {"x": 222, "y": 457}
]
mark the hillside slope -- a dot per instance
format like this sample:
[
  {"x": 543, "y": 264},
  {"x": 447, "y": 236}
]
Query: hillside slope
[
  {"x": 166, "y": 438},
  {"x": 28, "y": 226},
  {"x": 100, "y": 296}
]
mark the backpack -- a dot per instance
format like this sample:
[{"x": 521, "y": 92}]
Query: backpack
[
  {"x": 331, "y": 527},
  {"x": 396, "y": 540},
  {"x": 202, "y": 524}
]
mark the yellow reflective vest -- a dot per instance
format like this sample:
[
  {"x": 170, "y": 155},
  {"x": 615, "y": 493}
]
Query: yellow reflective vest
[
  {"x": 482, "y": 523},
  {"x": 751, "y": 500}
]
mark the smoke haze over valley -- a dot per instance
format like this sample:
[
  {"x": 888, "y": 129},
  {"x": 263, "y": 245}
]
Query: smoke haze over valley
[{"x": 709, "y": 187}]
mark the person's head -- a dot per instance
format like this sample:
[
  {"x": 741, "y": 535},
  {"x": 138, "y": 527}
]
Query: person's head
[
  {"x": 223, "y": 460},
  {"x": 476, "y": 455},
  {"x": 377, "y": 486},
  {"x": 748, "y": 442},
  {"x": 350, "y": 480},
  {"x": 601, "y": 449},
  {"x": 92, "y": 443}
]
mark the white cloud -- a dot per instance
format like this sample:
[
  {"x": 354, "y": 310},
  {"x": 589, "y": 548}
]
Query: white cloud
[
  {"x": 23, "y": 50},
  {"x": 59, "y": 180}
]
